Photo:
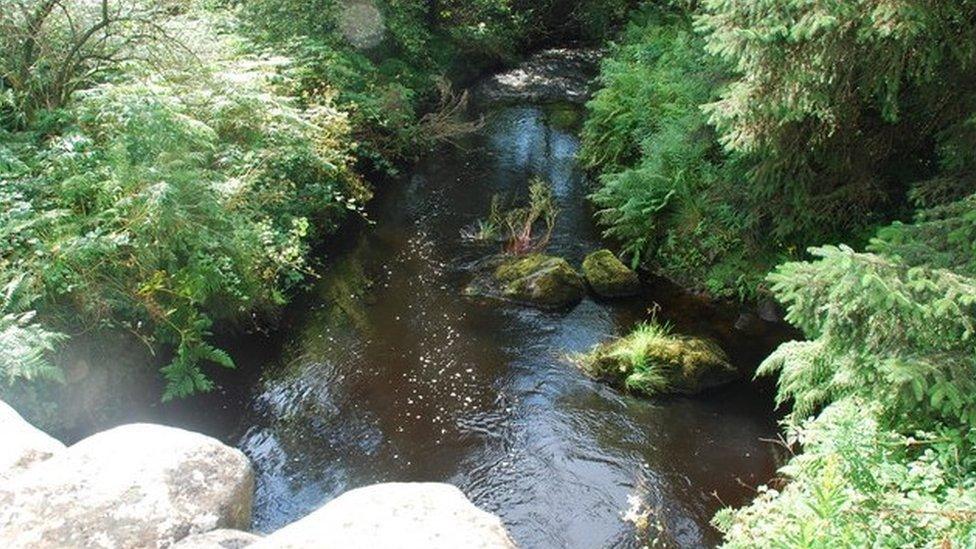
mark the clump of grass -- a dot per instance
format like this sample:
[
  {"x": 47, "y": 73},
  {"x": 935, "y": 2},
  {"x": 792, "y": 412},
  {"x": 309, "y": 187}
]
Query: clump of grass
[
  {"x": 653, "y": 360},
  {"x": 524, "y": 230},
  {"x": 488, "y": 229},
  {"x": 628, "y": 360}
]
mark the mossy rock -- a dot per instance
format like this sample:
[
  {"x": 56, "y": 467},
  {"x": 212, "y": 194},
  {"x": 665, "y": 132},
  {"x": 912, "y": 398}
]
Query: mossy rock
[
  {"x": 653, "y": 361},
  {"x": 541, "y": 280},
  {"x": 608, "y": 276}
]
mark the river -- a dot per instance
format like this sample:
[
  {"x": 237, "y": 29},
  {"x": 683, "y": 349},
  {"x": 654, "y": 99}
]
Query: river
[
  {"x": 386, "y": 373},
  {"x": 382, "y": 371}
]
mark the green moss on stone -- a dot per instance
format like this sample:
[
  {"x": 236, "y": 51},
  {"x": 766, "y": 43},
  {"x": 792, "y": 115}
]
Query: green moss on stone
[
  {"x": 541, "y": 280},
  {"x": 608, "y": 276}
]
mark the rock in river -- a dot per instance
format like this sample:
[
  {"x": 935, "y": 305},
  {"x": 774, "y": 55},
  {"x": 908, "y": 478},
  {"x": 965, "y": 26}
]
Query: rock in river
[
  {"x": 422, "y": 515},
  {"x": 608, "y": 276},
  {"x": 651, "y": 360},
  {"x": 537, "y": 279},
  {"x": 132, "y": 486},
  {"x": 22, "y": 444}
]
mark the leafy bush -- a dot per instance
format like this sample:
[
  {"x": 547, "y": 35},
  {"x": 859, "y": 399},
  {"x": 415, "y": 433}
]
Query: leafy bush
[
  {"x": 162, "y": 203},
  {"x": 386, "y": 81},
  {"x": 858, "y": 484}
]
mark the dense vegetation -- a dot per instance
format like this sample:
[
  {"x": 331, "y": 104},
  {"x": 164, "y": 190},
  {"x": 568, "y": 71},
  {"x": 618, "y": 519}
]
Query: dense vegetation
[
  {"x": 730, "y": 136},
  {"x": 159, "y": 196},
  {"x": 166, "y": 166}
]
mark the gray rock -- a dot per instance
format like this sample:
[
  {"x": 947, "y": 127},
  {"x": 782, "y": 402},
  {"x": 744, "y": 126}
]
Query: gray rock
[
  {"x": 396, "y": 515},
  {"x": 23, "y": 444},
  {"x": 218, "y": 539},
  {"x": 133, "y": 486},
  {"x": 769, "y": 310}
]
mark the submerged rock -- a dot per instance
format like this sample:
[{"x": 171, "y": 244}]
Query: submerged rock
[
  {"x": 132, "y": 486},
  {"x": 22, "y": 444},
  {"x": 427, "y": 515},
  {"x": 537, "y": 279},
  {"x": 608, "y": 276},
  {"x": 653, "y": 361}
]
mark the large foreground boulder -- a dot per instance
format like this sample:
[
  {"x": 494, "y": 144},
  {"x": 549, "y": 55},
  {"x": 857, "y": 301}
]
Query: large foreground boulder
[
  {"x": 608, "y": 276},
  {"x": 132, "y": 486},
  {"x": 534, "y": 279},
  {"x": 651, "y": 361},
  {"x": 407, "y": 515},
  {"x": 22, "y": 444},
  {"x": 219, "y": 539}
]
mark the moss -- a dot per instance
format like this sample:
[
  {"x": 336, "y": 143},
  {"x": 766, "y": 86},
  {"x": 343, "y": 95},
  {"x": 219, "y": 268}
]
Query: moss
[
  {"x": 652, "y": 360},
  {"x": 608, "y": 276},
  {"x": 541, "y": 280}
]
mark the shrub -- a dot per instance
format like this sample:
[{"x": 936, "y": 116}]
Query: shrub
[
  {"x": 667, "y": 192},
  {"x": 160, "y": 204},
  {"x": 883, "y": 399}
]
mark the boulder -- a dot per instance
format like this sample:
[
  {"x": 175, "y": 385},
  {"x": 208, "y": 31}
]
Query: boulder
[
  {"x": 534, "y": 279},
  {"x": 422, "y": 515},
  {"x": 219, "y": 539},
  {"x": 652, "y": 361},
  {"x": 23, "y": 444},
  {"x": 133, "y": 486},
  {"x": 769, "y": 310},
  {"x": 608, "y": 276},
  {"x": 541, "y": 280}
]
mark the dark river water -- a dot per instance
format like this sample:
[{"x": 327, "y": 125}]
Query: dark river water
[
  {"x": 383, "y": 372},
  {"x": 387, "y": 374}
]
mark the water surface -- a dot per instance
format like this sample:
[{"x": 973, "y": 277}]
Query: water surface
[{"x": 388, "y": 374}]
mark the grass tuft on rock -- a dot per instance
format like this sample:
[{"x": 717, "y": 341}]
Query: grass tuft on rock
[{"x": 652, "y": 360}]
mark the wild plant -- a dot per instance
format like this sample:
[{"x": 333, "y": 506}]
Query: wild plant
[{"x": 522, "y": 223}]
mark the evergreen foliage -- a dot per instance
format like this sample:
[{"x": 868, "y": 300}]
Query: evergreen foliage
[
  {"x": 771, "y": 126},
  {"x": 883, "y": 396},
  {"x": 667, "y": 191}
]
